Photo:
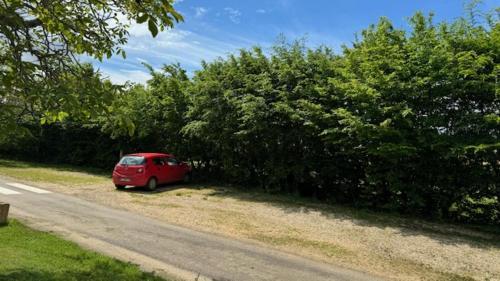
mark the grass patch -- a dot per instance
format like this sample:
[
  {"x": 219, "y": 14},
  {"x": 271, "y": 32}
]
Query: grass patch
[
  {"x": 327, "y": 249},
  {"x": 27, "y": 254},
  {"x": 54, "y": 174},
  {"x": 235, "y": 220},
  {"x": 381, "y": 218},
  {"x": 161, "y": 205}
]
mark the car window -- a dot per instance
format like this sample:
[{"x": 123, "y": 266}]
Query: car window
[
  {"x": 132, "y": 160},
  {"x": 172, "y": 161},
  {"x": 158, "y": 161}
]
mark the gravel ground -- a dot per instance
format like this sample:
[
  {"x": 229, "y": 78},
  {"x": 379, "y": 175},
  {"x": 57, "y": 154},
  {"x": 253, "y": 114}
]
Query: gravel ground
[{"x": 397, "y": 248}]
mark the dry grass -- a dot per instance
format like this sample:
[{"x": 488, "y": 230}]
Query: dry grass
[
  {"x": 386, "y": 245},
  {"x": 51, "y": 174}
]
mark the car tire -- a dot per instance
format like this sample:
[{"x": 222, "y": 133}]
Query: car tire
[
  {"x": 152, "y": 183},
  {"x": 119, "y": 186},
  {"x": 187, "y": 178}
]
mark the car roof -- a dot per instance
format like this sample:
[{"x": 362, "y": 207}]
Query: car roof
[{"x": 150, "y": 154}]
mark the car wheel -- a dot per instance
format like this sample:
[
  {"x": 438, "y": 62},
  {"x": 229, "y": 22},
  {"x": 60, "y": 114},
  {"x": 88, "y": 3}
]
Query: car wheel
[
  {"x": 119, "y": 186},
  {"x": 152, "y": 184},
  {"x": 187, "y": 178}
]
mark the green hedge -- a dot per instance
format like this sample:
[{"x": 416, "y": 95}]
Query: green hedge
[{"x": 402, "y": 120}]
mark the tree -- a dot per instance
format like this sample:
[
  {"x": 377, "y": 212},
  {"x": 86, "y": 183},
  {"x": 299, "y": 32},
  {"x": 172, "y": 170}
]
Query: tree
[
  {"x": 402, "y": 120},
  {"x": 158, "y": 110},
  {"x": 40, "y": 42}
]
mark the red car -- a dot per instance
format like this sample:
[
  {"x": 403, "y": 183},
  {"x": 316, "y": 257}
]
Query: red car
[{"x": 149, "y": 170}]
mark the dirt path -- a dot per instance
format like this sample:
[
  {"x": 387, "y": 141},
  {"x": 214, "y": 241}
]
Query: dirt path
[
  {"x": 208, "y": 255},
  {"x": 396, "y": 248}
]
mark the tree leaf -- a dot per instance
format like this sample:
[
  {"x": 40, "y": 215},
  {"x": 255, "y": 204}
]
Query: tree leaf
[
  {"x": 142, "y": 18},
  {"x": 152, "y": 27}
]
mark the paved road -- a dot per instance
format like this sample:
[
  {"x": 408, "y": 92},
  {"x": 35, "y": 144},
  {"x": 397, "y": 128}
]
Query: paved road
[{"x": 163, "y": 245}]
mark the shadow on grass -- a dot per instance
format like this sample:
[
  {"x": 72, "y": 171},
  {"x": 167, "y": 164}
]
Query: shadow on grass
[
  {"x": 486, "y": 237},
  {"x": 445, "y": 233},
  {"x": 101, "y": 270},
  {"x": 159, "y": 189}
]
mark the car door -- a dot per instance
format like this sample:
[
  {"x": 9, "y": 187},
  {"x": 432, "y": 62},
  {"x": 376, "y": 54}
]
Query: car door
[
  {"x": 160, "y": 169},
  {"x": 175, "y": 169}
]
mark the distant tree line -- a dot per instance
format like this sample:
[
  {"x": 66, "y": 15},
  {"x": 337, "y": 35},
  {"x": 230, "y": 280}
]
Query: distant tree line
[{"x": 401, "y": 120}]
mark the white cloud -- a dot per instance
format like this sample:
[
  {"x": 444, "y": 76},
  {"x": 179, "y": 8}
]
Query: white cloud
[
  {"x": 260, "y": 11},
  {"x": 176, "y": 45},
  {"x": 200, "y": 11},
  {"x": 170, "y": 46},
  {"x": 134, "y": 28},
  {"x": 120, "y": 76},
  {"x": 188, "y": 48},
  {"x": 141, "y": 60},
  {"x": 139, "y": 30},
  {"x": 234, "y": 14}
]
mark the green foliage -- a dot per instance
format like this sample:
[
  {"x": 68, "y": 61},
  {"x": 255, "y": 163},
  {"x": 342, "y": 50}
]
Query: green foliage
[
  {"x": 401, "y": 120},
  {"x": 39, "y": 45}
]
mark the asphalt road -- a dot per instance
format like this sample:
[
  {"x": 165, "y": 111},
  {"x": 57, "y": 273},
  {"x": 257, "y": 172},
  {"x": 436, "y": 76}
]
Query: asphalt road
[{"x": 159, "y": 246}]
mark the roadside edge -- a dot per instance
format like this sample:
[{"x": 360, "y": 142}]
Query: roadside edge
[{"x": 145, "y": 263}]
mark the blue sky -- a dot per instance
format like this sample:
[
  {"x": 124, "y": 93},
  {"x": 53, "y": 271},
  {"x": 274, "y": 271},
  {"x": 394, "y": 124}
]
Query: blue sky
[{"x": 217, "y": 28}]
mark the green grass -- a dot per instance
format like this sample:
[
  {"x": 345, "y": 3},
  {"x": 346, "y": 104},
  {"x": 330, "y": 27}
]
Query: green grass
[
  {"x": 27, "y": 254},
  {"x": 55, "y": 174}
]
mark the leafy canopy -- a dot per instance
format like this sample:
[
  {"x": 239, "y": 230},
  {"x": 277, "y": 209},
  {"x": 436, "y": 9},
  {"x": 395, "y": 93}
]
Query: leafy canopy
[{"x": 40, "y": 42}]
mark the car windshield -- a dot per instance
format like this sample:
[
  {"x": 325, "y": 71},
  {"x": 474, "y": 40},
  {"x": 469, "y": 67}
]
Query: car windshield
[{"x": 132, "y": 160}]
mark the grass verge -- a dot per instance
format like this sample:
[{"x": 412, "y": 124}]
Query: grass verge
[
  {"x": 53, "y": 174},
  {"x": 28, "y": 254}
]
